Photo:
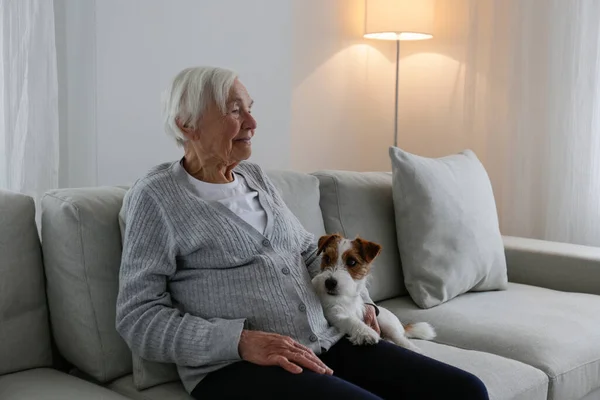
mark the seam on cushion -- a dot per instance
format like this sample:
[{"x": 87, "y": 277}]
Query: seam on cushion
[
  {"x": 533, "y": 388},
  {"x": 339, "y": 207},
  {"x": 577, "y": 367},
  {"x": 337, "y": 201},
  {"x": 487, "y": 352},
  {"x": 555, "y": 377},
  {"x": 125, "y": 392},
  {"x": 99, "y": 337}
]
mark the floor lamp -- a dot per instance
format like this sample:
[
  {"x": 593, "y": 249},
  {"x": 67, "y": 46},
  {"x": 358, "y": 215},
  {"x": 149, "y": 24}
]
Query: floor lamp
[{"x": 398, "y": 20}]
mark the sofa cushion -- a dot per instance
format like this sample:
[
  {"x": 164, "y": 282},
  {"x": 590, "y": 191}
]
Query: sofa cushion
[
  {"x": 171, "y": 391},
  {"x": 82, "y": 256},
  {"x": 360, "y": 203},
  {"x": 24, "y": 331},
  {"x": 505, "y": 379},
  {"x": 49, "y": 384},
  {"x": 448, "y": 233},
  {"x": 301, "y": 194},
  {"x": 556, "y": 332}
]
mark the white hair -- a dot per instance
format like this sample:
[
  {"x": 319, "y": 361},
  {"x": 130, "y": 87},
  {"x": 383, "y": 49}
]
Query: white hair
[{"x": 190, "y": 93}]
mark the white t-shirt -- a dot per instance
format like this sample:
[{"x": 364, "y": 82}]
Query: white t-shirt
[{"x": 235, "y": 195}]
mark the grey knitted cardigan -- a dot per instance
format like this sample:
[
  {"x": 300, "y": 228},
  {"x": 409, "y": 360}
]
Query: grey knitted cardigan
[{"x": 194, "y": 274}]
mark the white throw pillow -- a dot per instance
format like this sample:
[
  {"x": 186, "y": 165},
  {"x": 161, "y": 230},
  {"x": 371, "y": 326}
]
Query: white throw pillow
[{"x": 447, "y": 224}]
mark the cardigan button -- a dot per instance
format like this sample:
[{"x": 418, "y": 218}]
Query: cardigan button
[
  {"x": 285, "y": 270},
  {"x": 266, "y": 243}
]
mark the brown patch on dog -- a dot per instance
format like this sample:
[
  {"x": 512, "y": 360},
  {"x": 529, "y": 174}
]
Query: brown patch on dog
[
  {"x": 328, "y": 245},
  {"x": 359, "y": 258},
  {"x": 368, "y": 250},
  {"x": 357, "y": 267}
]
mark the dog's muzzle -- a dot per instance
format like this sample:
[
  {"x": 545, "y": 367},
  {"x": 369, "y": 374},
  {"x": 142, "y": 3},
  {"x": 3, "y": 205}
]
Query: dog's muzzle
[{"x": 331, "y": 285}]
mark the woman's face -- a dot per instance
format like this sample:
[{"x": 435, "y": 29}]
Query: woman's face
[{"x": 226, "y": 137}]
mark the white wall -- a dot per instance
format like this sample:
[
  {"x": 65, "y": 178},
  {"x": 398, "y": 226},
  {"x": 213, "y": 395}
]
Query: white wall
[
  {"x": 324, "y": 95},
  {"x": 343, "y": 89},
  {"x": 75, "y": 57},
  {"x": 122, "y": 54}
]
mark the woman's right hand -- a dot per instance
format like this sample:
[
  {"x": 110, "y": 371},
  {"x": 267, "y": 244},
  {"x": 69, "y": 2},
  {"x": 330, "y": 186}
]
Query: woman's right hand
[{"x": 269, "y": 349}]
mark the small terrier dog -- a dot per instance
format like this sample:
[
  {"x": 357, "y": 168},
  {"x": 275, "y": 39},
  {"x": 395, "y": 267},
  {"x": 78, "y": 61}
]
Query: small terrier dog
[{"x": 345, "y": 266}]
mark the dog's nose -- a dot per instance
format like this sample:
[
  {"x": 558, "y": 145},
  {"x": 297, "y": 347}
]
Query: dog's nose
[{"x": 330, "y": 283}]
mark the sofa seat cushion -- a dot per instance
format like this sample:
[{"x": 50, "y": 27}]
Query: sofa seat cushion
[
  {"x": 171, "y": 390},
  {"x": 525, "y": 382},
  {"x": 49, "y": 384},
  {"x": 556, "y": 332},
  {"x": 505, "y": 379}
]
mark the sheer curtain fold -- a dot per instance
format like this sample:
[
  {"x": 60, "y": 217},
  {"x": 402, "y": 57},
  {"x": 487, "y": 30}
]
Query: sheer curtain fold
[
  {"x": 29, "y": 97},
  {"x": 532, "y": 87}
]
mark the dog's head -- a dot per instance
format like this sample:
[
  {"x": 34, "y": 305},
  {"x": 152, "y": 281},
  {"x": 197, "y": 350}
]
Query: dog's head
[{"x": 345, "y": 264}]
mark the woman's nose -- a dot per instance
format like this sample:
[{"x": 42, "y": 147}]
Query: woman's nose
[{"x": 249, "y": 122}]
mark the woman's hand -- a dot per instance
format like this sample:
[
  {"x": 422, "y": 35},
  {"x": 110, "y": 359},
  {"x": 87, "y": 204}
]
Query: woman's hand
[
  {"x": 371, "y": 318},
  {"x": 268, "y": 349}
]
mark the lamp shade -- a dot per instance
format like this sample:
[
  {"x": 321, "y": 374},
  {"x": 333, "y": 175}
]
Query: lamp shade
[{"x": 399, "y": 19}]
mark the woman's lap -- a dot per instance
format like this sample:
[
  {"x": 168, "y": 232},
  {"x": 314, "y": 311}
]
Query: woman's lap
[
  {"x": 360, "y": 372},
  {"x": 393, "y": 372},
  {"x": 244, "y": 380}
]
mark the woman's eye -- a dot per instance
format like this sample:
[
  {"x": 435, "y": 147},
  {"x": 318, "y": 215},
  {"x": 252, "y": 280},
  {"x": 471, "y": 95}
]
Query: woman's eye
[
  {"x": 351, "y": 262},
  {"x": 235, "y": 111}
]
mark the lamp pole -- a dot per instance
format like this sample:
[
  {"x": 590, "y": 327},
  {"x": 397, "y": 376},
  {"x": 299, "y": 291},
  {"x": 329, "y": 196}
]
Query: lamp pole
[{"x": 396, "y": 102}]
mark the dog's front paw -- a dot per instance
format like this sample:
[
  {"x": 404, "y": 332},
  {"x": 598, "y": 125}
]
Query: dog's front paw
[{"x": 364, "y": 337}]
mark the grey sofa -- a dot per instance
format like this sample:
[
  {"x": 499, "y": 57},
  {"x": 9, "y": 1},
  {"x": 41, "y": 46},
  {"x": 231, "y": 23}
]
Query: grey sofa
[{"x": 540, "y": 339}]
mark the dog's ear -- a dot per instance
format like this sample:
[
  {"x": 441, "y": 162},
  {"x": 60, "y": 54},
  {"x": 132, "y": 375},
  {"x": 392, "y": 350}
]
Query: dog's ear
[
  {"x": 367, "y": 250},
  {"x": 324, "y": 241}
]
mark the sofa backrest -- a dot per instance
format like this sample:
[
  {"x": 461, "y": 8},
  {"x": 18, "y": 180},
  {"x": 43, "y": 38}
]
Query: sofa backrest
[
  {"x": 24, "y": 332},
  {"x": 82, "y": 253},
  {"x": 360, "y": 203}
]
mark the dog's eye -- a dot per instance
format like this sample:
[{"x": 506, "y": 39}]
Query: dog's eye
[
  {"x": 326, "y": 259},
  {"x": 351, "y": 262}
]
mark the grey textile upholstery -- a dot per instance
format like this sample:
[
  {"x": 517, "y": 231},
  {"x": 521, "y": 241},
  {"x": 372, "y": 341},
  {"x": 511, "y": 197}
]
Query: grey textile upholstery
[
  {"x": 82, "y": 256},
  {"x": 301, "y": 194},
  {"x": 49, "y": 384},
  {"x": 559, "y": 266},
  {"x": 556, "y": 332},
  {"x": 447, "y": 225},
  {"x": 526, "y": 382},
  {"x": 171, "y": 390},
  {"x": 24, "y": 331},
  {"x": 360, "y": 203}
]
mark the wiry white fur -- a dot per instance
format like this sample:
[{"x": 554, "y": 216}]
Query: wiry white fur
[{"x": 345, "y": 309}]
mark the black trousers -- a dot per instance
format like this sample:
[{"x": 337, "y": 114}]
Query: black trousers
[{"x": 382, "y": 371}]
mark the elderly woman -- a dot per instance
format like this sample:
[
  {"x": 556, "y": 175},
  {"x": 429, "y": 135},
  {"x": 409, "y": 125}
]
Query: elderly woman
[{"x": 216, "y": 273}]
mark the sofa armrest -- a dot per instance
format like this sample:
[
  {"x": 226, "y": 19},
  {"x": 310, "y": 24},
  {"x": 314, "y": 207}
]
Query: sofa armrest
[{"x": 553, "y": 265}]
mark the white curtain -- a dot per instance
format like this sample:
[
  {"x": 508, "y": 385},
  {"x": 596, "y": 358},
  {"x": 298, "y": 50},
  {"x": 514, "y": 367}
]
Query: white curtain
[
  {"x": 532, "y": 111},
  {"x": 28, "y": 97}
]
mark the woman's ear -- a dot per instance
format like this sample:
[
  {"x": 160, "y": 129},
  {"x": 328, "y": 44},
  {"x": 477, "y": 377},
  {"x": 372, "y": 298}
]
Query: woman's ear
[{"x": 191, "y": 133}]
